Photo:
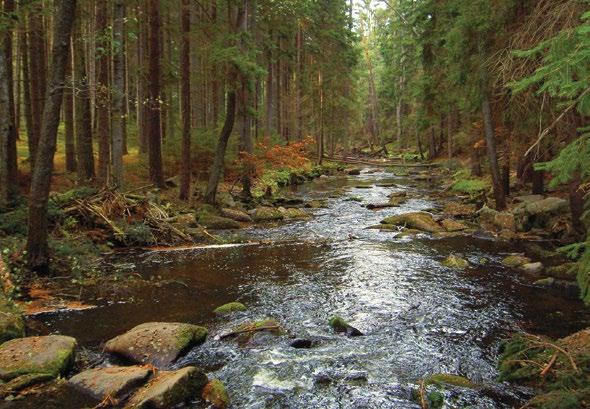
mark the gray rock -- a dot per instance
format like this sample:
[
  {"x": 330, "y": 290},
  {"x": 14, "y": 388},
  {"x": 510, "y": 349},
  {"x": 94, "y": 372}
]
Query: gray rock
[
  {"x": 156, "y": 343},
  {"x": 532, "y": 268},
  {"x": 169, "y": 389},
  {"x": 117, "y": 381},
  {"x": 53, "y": 355}
]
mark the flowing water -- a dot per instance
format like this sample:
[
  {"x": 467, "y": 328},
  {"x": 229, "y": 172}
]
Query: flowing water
[{"x": 419, "y": 318}]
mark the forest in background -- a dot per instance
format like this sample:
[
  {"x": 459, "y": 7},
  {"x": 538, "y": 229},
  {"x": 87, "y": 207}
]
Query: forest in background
[{"x": 237, "y": 92}]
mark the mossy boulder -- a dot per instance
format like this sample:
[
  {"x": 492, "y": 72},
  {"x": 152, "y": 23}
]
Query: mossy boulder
[
  {"x": 451, "y": 225},
  {"x": 237, "y": 215},
  {"x": 457, "y": 209},
  {"x": 415, "y": 220},
  {"x": 532, "y": 268},
  {"x": 454, "y": 261},
  {"x": 247, "y": 332},
  {"x": 442, "y": 379},
  {"x": 566, "y": 271},
  {"x": 295, "y": 213},
  {"x": 266, "y": 214},
  {"x": 168, "y": 389},
  {"x": 52, "y": 355},
  {"x": 494, "y": 220},
  {"x": 156, "y": 343},
  {"x": 116, "y": 382},
  {"x": 316, "y": 204},
  {"x": 230, "y": 307},
  {"x": 22, "y": 382},
  {"x": 216, "y": 394},
  {"x": 211, "y": 221},
  {"x": 515, "y": 261},
  {"x": 340, "y": 325}
]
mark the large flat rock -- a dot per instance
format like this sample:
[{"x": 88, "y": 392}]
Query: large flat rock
[
  {"x": 156, "y": 343},
  {"x": 168, "y": 389},
  {"x": 116, "y": 382},
  {"x": 52, "y": 355}
]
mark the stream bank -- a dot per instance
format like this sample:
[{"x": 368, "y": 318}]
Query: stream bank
[{"x": 420, "y": 318}]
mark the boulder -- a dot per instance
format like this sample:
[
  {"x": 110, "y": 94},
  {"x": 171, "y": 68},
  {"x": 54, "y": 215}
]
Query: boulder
[
  {"x": 566, "y": 271},
  {"x": 415, "y": 220},
  {"x": 550, "y": 205},
  {"x": 455, "y": 262},
  {"x": 354, "y": 172},
  {"x": 230, "y": 307},
  {"x": 515, "y": 260},
  {"x": 528, "y": 198},
  {"x": 301, "y": 343},
  {"x": 397, "y": 200},
  {"x": 169, "y": 388},
  {"x": 295, "y": 213},
  {"x": 532, "y": 268},
  {"x": 245, "y": 332},
  {"x": 451, "y": 225},
  {"x": 316, "y": 204},
  {"x": 210, "y": 221},
  {"x": 52, "y": 355},
  {"x": 156, "y": 343},
  {"x": 339, "y": 324},
  {"x": 493, "y": 219},
  {"x": 266, "y": 214},
  {"x": 237, "y": 215},
  {"x": 377, "y": 206},
  {"x": 116, "y": 382},
  {"x": 24, "y": 381},
  {"x": 216, "y": 394},
  {"x": 456, "y": 209},
  {"x": 545, "y": 282},
  {"x": 449, "y": 379}
]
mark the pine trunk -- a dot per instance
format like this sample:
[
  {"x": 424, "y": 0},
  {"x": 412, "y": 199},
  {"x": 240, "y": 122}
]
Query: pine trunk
[
  {"x": 493, "y": 155},
  {"x": 185, "y": 91},
  {"x": 118, "y": 111}
]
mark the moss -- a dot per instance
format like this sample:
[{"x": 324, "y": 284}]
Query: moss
[
  {"x": 12, "y": 324},
  {"x": 216, "y": 394},
  {"x": 436, "y": 400},
  {"x": 455, "y": 262},
  {"x": 191, "y": 335},
  {"x": 339, "y": 324},
  {"x": 230, "y": 307},
  {"x": 515, "y": 261},
  {"x": 448, "y": 379},
  {"x": 470, "y": 186},
  {"x": 216, "y": 222}
]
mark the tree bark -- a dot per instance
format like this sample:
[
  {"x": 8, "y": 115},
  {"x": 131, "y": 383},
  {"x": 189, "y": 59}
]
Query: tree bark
[
  {"x": 103, "y": 128},
  {"x": 185, "y": 90},
  {"x": 83, "y": 116},
  {"x": 492, "y": 154},
  {"x": 118, "y": 111},
  {"x": 5, "y": 129},
  {"x": 154, "y": 131},
  {"x": 68, "y": 110},
  {"x": 246, "y": 144},
  {"x": 37, "y": 245},
  {"x": 11, "y": 154}
]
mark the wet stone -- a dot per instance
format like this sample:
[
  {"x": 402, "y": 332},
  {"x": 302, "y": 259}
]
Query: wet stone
[
  {"x": 169, "y": 388},
  {"x": 216, "y": 394},
  {"x": 116, "y": 382},
  {"x": 415, "y": 220},
  {"x": 156, "y": 343},
  {"x": 301, "y": 343},
  {"x": 52, "y": 355}
]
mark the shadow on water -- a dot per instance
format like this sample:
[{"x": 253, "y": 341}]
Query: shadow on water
[{"x": 419, "y": 318}]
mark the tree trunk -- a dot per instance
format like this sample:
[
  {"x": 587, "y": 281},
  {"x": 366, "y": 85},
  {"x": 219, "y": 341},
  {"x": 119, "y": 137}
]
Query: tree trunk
[
  {"x": 492, "y": 154},
  {"x": 577, "y": 201},
  {"x": 185, "y": 90},
  {"x": 83, "y": 116},
  {"x": 5, "y": 128},
  {"x": 246, "y": 145},
  {"x": 118, "y": 111},
  {"x": 68, "y": 110},
  {"x": 538, "y": 179},
  {"x": 154, "y": 130},
  {"x": 11, "y": 154},
  {"x": 103, "y": 128},
  {"x": 37, "y": 245}
]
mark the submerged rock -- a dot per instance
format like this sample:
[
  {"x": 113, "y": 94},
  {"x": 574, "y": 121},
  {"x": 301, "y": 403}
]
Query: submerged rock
[
  {"x": 455, "y": 262},
  {"x": 448, "y": 379},
  {"x": 237, "y": 215},
  {"x": 169, "y": 388},
  {"x": 217, "y": 222},
  {"x": 52, "y": 355},
  {"x": 156, "y": 343},
  {"x": 515, "y": 261},
  {"x": 295, "y": 213},
  {"x": 532, "y": 268},
  {"x": 377, "y": 206},
  {"x": 116, "y": 382},
  {"x": 339, "y": 324},
  {"x": 230, "y": 307},
  {"x": 266, "y": 214},
  {"x": 301, "y": 343},
  {"x": 354, "y": 171},
  {"x": 316, "y": 204},
  {"x": 216, "y": 394},
  {"x": 415, "y": 220}
]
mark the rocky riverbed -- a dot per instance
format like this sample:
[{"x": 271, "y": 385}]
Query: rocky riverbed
[{"x": 360, "y": 290}]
